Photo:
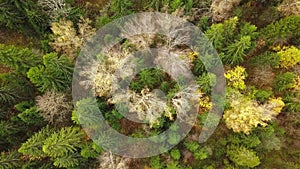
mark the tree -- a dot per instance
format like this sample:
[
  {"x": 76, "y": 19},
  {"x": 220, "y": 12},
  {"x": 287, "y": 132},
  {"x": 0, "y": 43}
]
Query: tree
[
  {"x": 18, "y": 59},
  {"x": 282, "y": 30},
  {"x": 54, "y": 74},
  {"x": 243, "y": 156},
  {"x": 235, "y": 52},
  {"x": 9, "y": 160},
  {"x": 64, "y": 142},
  {"x": 221, "y": 9},
  {"x": 62, "y": 146},
  {"x": 66, "y": 40},
  {"x": 33, "y": 146},
  {"x": 54, "y": 107},
  {"x": 236, "y": 78},
  {"x": 284, "y": 82},
  {"x": 121, "y": 7},
  {"x": 23, "y": 16},
  {"x": 290, "y": 7},
  {"x": 55, "y": 8},
  {"x": 289, "y": 56},
  {"x": 245, "y": 114}
]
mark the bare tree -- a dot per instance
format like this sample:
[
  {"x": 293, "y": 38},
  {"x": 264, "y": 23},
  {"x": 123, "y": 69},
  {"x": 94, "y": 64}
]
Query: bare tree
[{"x": 55, "y": 107}]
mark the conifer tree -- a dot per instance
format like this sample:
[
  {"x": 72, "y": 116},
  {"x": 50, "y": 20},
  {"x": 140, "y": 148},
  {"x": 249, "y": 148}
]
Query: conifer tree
[
  {"x": 10, "y": 160},
  {"x": 33, "y": 146},
  {"x": 55, "y": 73},
  {"x": 61, "y": 143},
  {"x": 18, "y": 59}
]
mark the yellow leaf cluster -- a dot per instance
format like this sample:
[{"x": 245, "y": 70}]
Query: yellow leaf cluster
[
  {"x": 245, "y": 114},
  {"x": 235, "y": 78},
  {"x": 67, "y": 40},
  {"x": 289, "y": 56},
  {"x": 296, "y": 85}
]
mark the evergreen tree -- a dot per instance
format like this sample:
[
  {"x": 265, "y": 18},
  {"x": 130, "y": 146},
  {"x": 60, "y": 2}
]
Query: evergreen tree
[
  {"x": 61, "y": 143},
  {"x": 23, "y": 16},
  {"x": 10, "y": 160},
  {"x": 282, "y": 30},
  {"x": 18, "y": 59},
  {"x": 55, "y": 73},
  {"x": 33, "y": 146},
  {"x": 235, "y": 52}
]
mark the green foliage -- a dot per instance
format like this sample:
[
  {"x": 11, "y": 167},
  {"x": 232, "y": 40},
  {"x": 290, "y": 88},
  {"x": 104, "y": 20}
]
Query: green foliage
[
  {"x": 173, "y": 138},
  {"x": 249, "y": 141},
  {"x": 33, "y": 146},
  {"x": 232, "y": 42},
  {"x": 121, "y": 7},
  {"x": 173, "y": 165},
  {"x": 192, "y": 146},
  {"x": 265, "y": 59},
  {"x": 206, "y": 81},
  {"x": 61, "y": 143},
  {"x": 9, "y": 160},
  {"x": 8, "y": 95},
  {"x": 175, "y": 4},
  {"x": 155, "y": 163},
  {"x": 18, "y": 59},
  {"x": 215, "y": 35},
  {"x": 284, "y": 81},
  {"x": 148, "y": 77},
  {"x": 90, "y": 150},
  {"x": 66, "y": 161},
  {"x": 243, "y": 156},
  {"x": 235, "y": 52},
  {"x": 55, "y": 73},
  {"x": 23, "y": 16},
  {"x": 201, "y": 154},
  {"x": 281, "y": 30},
  {"x": 31, "y": 116},
  {"x": 175, "y": 154}
]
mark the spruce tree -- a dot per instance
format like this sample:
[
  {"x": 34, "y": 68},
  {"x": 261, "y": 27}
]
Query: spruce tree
[{"x": 55, "y": 73}]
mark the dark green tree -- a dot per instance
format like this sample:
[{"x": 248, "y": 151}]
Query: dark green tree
[
  {"x": 10, "y": 160},
  {"x": 18, "y": 59}
]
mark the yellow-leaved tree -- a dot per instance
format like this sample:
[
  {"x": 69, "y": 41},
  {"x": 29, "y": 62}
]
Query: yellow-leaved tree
[
  {"x": 289, "y": 56},
  {"x": 245, "y": 113},
  {"x": 67, "y": 40},
  {"x": 235, "y": 77}
]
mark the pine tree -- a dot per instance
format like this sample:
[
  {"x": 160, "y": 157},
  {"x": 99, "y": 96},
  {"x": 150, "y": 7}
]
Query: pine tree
[
  {"x": 55, "y": 73},
  {"x": 282, "y": 30},
  {"x": 234, "y": 53},
  {"x": 33, "y": 146},
  {"x": 61, "y": 143},
  {"x": 10, "y": 160},
  {"x": 18, "y": 59},
  {"x": 22, "y": 16}
]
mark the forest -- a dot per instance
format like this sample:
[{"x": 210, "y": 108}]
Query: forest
[{"x": 46, "y": 124}]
